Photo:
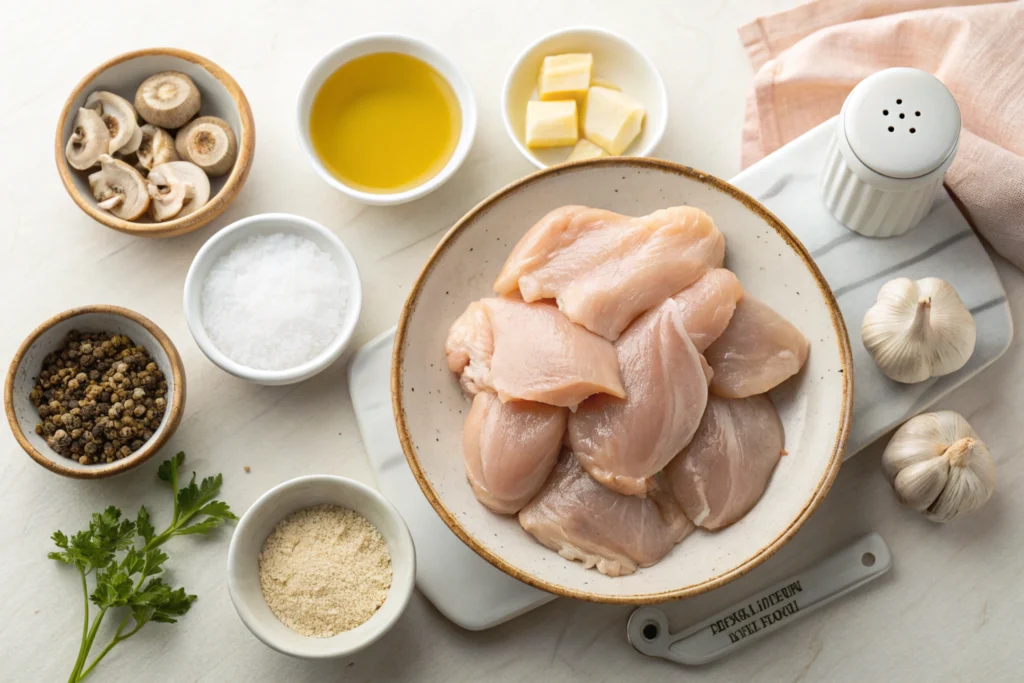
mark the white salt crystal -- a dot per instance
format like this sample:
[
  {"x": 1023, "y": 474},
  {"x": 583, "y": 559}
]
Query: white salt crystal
[{"x": 274, "y": 301}]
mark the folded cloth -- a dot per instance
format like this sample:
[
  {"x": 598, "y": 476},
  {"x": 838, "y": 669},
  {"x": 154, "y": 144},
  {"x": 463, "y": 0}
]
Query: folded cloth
[{"x": 809, "y": 58}]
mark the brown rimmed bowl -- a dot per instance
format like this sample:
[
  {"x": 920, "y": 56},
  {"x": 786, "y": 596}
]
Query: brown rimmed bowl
[
  {"x": 815, "y": 406},
  {"x": 24, "y": 369},
  {"x": 221, "y": 96}
]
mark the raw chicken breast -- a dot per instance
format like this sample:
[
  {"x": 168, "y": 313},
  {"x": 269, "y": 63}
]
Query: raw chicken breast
[
  {"x": 723, "y": 472},
  {"x": 581, "y": 520},
  {"x": 509, "y": 449},
  {"x": 605, "y": 269},
  {"x": 540, "y": 252},
  {"x": 623, "y": 443},
  {"x": 758, "y": 351},
  {"x": 708, "y": 304},
  {"x": 469, "y": 348},
  {"x": 536, "y": 354}
]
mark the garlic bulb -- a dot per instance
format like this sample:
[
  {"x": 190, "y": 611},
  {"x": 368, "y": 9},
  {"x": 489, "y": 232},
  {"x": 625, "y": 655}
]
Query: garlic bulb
[
  {"x": 939, "y": 466},
  {"x": 918, "y": 330}
]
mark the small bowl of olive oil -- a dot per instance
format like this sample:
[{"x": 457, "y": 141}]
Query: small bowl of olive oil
[{"x": 386, "y": 118}]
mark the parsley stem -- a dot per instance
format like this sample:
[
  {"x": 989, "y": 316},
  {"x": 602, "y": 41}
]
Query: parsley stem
[
  {"x": 113, "y": 641},
  {"x": 174, "y": 487},
  {"x": 82, "y": 653},
  {"x": 87, "y": 645}
]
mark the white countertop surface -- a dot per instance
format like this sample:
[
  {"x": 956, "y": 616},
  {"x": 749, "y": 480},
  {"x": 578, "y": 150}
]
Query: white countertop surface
[{"x": 948, "y": 611}]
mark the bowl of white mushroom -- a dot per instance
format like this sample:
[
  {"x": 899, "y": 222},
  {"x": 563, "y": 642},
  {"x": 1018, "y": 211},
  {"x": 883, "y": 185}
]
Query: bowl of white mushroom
[{"x": 155, "y": 142}]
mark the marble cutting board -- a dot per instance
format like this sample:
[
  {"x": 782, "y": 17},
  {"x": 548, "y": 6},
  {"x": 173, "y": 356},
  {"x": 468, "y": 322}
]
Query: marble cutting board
[
  {"x": 943, "y": 245},
  {"x": 475, "y": 595}
]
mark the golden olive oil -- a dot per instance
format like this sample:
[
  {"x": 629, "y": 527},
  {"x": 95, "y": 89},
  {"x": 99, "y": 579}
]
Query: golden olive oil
[{"x": 384, "y": 123}]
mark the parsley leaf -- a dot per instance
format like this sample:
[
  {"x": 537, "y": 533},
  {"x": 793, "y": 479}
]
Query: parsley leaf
[
  {"x": 192, "y": 497},
  {"x": 159, "y": 602},
  {"x": 218, "y": 509},
  {"x": 203, "y": 527},
  {"x": 113, "y": 587},
  {"x": 94, "y": 548},
  {"x": 133, "y": 563},
  {"x": 143, "y": 526},
  {"x": 169, "y": 468}
]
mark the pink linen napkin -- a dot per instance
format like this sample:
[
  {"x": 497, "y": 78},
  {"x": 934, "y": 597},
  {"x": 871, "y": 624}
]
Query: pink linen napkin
[{"x": 809, "y": 58}]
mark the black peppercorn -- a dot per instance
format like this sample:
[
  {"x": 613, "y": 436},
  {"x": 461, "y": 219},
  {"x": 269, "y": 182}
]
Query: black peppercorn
[{"x": 99, "y": 397}]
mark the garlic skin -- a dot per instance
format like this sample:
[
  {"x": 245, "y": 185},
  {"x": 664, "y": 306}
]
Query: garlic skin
[
  {"x": 918, "y": 329},
  {"x": 939, "y": 466}
]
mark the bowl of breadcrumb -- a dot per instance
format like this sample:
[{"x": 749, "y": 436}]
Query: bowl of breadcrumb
[{"x": 320, "y": 567}]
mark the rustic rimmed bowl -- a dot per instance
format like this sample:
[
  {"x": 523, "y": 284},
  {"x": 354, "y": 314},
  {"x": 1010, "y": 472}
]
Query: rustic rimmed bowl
[
  {"x": 259, "y": 522},
  {"x": 24, "y": 369},
  {"x": 815, "y": 406},
  {"x": 221, "y": 96}
]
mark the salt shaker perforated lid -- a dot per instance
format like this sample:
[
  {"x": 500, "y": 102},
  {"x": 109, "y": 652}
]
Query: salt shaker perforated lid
[{"x": 895, "y": 137}]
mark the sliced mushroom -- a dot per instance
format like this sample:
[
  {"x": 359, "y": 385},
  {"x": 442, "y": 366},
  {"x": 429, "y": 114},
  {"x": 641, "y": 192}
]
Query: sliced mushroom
[
  {"x": 209, "y": 143},
  {"x": 156, "y": 147},
  {"x": 89, "y": 140},
  {"x": 167, "y": 99},
  {"x": 168, "y": 195},
  {"x": 177, "y": 189},
  {"x": 118, "y": 114},
  {"x": 119, "y": 188},
  {"x": 133, "y": 143}
]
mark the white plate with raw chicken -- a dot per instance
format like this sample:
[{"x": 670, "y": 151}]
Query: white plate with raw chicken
[{"x": 622, "y": 380}]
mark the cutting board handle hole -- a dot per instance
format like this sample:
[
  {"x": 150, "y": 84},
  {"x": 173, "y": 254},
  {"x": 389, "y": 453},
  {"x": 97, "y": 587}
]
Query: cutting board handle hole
[{"x": 867, "y": 559}]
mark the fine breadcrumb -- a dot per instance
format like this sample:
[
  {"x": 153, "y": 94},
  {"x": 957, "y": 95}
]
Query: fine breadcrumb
[{"x": 324, "y": 570}]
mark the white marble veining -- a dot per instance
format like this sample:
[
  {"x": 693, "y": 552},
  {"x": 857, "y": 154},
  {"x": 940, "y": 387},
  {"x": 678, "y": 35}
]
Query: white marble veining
[{"x": 941, "y": 245}]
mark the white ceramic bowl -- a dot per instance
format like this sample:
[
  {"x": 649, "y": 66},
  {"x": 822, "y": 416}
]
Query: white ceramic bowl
[
  {"x": 373, "y": 44},
  {"x": 616, "y": 60},
  {"x": 28, "y": 360},
  {"x": 281, "y": 501},
  {"x": 771, "y": 263},
  {"x": 266, "y": 224}
]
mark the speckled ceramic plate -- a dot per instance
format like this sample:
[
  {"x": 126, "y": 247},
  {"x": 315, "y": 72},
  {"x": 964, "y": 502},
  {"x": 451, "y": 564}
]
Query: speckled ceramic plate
[{"x": 769, "y": 260}]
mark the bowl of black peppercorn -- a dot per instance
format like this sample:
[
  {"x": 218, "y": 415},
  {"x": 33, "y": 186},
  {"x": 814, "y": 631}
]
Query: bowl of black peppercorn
[{"x": 94, "y": 391}]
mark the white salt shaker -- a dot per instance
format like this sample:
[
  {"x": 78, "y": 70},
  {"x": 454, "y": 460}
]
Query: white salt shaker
[{"x": 894, "y": 139}]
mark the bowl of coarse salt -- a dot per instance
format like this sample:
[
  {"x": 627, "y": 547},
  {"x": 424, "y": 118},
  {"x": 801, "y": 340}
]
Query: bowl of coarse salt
[
  {"x": 273, "y": 298},
  {"x": 321, "y": 567}
]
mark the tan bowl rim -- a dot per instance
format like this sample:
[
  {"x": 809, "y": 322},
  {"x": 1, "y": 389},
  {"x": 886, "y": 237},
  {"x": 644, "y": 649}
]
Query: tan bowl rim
[
  {"x": 217, "y": 203},
  {"x": 175, "y": 410},
  {"x": 764, "y": 553}
]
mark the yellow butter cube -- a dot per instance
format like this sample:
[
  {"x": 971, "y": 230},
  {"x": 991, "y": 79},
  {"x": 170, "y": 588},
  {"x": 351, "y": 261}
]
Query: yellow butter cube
[
  {"x": 551, "y": 124},
  {"x": 612, "y": 119},
  {"x": 604, "y": 84},
  {"x": 565, "y": 77},
  {"x": 585, "y": 149}
]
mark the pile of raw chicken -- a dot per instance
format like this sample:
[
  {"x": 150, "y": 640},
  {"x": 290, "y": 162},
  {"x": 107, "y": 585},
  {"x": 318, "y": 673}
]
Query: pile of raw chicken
[{"x": 619, "y": 385}]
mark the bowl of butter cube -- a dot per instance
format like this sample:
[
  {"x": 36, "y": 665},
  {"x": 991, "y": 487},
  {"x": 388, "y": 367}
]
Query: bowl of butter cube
[{"x": 582, "y": 93}]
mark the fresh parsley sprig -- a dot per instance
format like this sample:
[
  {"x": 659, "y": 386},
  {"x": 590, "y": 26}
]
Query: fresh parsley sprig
[{"x": 125, "y": 560}]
